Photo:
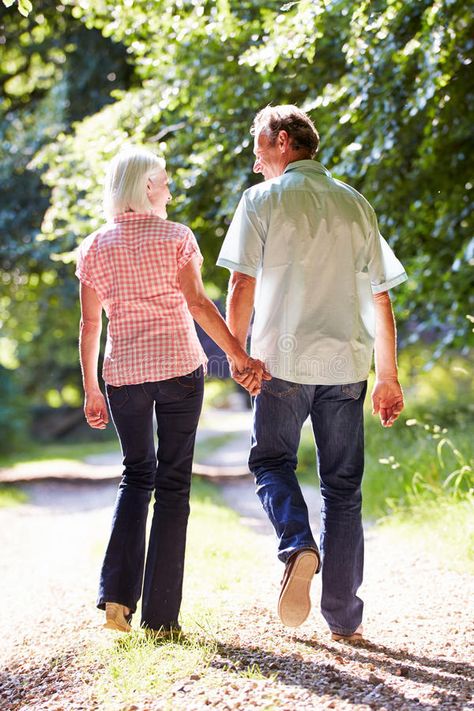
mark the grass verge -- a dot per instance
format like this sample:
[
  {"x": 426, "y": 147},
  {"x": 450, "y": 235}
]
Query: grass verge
[
  {"x": 12, "y": 496},
  {"x": 78, "y": 452},
  {"x": 66, "y": 451},
  {"x": 441, "y": 526},
  {"x": 207, "y": 446}
]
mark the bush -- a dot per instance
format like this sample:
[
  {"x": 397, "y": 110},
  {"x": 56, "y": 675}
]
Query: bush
[
  {"x": 428, "y": 455},
  {"x": 13, "y": 412}
]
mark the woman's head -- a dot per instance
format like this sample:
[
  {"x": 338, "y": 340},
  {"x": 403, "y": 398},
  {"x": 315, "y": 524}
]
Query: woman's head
[{"x": 136, "y": 181}]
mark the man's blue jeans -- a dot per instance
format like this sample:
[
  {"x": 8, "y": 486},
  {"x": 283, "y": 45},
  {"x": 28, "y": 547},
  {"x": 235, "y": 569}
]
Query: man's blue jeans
[
  {"x": 336, "y": 413},
  {"x": 167, "y": 472}
]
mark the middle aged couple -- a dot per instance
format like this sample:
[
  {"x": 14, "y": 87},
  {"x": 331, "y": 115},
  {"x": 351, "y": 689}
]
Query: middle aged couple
[{"x": 305, "y": 253}]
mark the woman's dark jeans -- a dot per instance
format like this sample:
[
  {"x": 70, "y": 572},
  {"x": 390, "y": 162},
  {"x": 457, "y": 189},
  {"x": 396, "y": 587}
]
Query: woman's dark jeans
[{"x": 177, "y": 403}]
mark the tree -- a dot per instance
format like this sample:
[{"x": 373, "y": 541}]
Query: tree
[
  {"x": 53, "y": 72},
  {"x": 388, "y": 84}
]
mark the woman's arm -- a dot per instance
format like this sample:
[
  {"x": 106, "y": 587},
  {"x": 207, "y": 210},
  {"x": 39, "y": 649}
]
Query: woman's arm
[
  {"x": 95, "y": 408},
  {"x": 208, "y": 317}
]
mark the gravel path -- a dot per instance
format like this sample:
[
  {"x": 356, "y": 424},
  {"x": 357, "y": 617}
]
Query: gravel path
[{"x": 418, "y": 621}]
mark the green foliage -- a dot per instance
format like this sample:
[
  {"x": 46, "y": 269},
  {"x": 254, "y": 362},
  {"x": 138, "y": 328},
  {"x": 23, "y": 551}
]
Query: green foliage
[
  {"x": 24, "y": 6},
  {"x": 439, "y": 469},
  {"x": 388, "y": 83},
  {"x": 53, "y": 72},
  {"x": 397, "y": 125},
  {"x": 408, "y": 467},
  {"x": 13, "y": 413},
  {"x": 428, "y": 455}
]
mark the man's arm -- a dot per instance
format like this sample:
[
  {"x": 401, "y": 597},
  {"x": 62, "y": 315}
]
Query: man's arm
[
  {"x": 387, "y": 395},
  {"x": 240, "y": 299},
  {"x": 95, "y": 408}
]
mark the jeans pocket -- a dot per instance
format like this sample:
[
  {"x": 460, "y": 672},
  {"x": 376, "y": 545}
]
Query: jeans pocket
[
  {"x": 353, "y": 390},
  {"x": 180, "y": 387},
  {"x": 188, "y": 382},
  {"x": 117, "y": 396},
  {"x": 280, "y": 388}
]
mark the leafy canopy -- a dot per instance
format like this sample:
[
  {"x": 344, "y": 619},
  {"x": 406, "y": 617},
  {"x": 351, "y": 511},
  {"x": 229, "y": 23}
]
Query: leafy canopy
[{"x": 388, "y": 83}]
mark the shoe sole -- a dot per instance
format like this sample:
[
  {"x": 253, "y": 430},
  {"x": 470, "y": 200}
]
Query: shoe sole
[
  {"x": 346, "y": 637},
  {"x": 294, "y": 604}
]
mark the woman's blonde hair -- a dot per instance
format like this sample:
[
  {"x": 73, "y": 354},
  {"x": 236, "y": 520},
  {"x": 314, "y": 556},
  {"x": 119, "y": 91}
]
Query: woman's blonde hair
[{"x": 126, "y": 181}]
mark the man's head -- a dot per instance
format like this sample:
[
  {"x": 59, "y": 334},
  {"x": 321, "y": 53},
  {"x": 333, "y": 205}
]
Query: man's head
[{"x": 282, "y": 134}]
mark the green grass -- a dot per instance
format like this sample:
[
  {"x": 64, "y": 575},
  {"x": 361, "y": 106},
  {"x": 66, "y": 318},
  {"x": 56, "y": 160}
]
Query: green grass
[
  {"x": 210, "y": 444},
  {"x": 135, "y": 666},
  {"x": 412, "y": 465},
  {"x": 222, "y": 559},
  {"x": 408, "y": 465},
  {"x": 217, "y": 392},
  {"x": 442, "y": 526},
  {"x": 77, "y": 452},
  {"x": 11, "y": 496},
  {"x": 403, "y": 466},
  {"x": 36, "y": 452}
]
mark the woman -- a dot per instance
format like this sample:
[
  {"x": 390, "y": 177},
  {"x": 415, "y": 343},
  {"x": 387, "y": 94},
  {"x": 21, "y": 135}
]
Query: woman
[{"x": 144, "y": 271}]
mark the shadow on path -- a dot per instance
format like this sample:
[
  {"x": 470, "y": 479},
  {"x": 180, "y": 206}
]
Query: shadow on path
[{"x": 449, "y": 682}]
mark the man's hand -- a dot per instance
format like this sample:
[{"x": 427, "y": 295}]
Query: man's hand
[
  {"x": 249, "y": 374},
  {"x": 387, "y": 401},
  {"x": 95, "y": 410}
]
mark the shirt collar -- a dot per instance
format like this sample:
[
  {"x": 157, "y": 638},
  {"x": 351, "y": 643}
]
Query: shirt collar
[
  {"x": 123, "y": 216},
  {"x": 312, "y": 165}
]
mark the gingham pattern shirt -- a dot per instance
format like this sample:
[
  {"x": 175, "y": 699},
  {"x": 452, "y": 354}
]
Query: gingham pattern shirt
[{"x": 132, "y": 264}]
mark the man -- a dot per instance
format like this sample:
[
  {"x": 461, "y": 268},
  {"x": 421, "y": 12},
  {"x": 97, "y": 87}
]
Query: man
[{"x": 305, "y": 250}]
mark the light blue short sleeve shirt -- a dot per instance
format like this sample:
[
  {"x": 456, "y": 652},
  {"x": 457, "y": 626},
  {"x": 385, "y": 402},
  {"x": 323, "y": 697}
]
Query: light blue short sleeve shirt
[{"x": 314, "y": 246}]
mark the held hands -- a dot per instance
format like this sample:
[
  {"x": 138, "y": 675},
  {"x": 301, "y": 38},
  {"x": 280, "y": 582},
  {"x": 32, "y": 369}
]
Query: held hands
[
  {"x": 387, "y": 400},
  {"x": 95, "y": 410},
  {"x": 249, "y": 373}
]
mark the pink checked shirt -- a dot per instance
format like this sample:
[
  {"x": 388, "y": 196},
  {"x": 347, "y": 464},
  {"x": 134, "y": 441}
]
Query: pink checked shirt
[{"x": 132, "y": 264}]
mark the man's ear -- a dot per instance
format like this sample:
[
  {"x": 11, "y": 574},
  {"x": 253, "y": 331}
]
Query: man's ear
[{"x": 283, "y": 140}]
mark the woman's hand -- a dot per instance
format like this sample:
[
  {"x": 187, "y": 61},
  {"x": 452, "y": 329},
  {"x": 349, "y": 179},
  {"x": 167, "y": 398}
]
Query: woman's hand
[
  {"x": 95, "y": 410},
  {"x": 249, "y": 372}
]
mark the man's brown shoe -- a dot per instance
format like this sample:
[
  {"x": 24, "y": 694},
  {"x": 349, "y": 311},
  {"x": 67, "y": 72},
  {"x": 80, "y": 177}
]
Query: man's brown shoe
[
  {"x": 294, "y": 604},
  {"x": 117, "y": 617},
  {"x": 357, "y": 636}
]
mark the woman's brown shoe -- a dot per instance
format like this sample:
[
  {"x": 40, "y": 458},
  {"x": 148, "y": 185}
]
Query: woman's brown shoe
[{"x": 117, "y": 617}]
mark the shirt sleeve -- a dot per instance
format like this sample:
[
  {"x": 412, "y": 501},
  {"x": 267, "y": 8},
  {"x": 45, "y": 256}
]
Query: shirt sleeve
[
  {"x": 385, "y": 270},
  {"x": 187, "y": 249},
  {"x": 84, "y": 263},
  {"x": 242, "y": 249}
]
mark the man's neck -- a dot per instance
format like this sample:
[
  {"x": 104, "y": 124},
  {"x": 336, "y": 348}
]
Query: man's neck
[{"x": 293, "y": 157}]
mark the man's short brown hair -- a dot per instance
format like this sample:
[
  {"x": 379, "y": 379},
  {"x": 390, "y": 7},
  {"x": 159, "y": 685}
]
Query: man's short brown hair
[{"x": 298, "y": 125}]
